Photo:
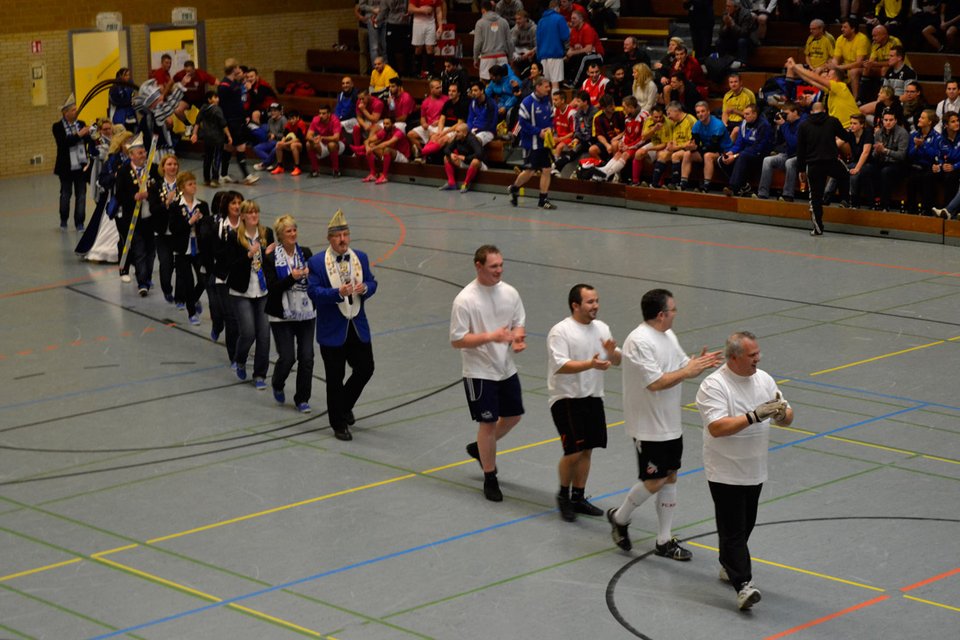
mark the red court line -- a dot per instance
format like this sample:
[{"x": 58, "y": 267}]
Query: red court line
[
  {"x": 399, "y": 241},
  {"x": 813, "y": 623},
  {"x": 945, "y": 574},
  {"x": 651, "y": 236},
  {"x": 62, "y": 283}
]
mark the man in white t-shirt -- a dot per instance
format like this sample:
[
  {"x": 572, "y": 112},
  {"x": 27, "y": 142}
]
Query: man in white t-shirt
[
  {"x": 579, "y": 349},
  {"x": 654, "y": 365},
  {"x": 487, "y": 325},
  {"x": 736, "y": 405}
]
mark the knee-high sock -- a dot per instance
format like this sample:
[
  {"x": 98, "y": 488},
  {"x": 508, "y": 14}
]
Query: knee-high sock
[
  {"x": 472, "y": 174},
  {"x": 451, "y": 176},
  {"x": 372, "y": 163},
  {"x": 666, "y": 503},
  {"x": 312, "y": 154},
  {"x": 637, "y": 165},
  {"x": 613, "y": 167},
  {"x": 637, "y": 495},
  {"x": 658, "y": 169},
  {"x": 224, "y": 164},
  {"x": 335, "y": 159},
  {"x": 675, "y": 173},
  {"x": 429, "y": 149},
  {"x": 387, "y": 159}
]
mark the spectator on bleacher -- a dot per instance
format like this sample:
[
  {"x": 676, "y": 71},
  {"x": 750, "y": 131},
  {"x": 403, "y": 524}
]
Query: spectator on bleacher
[
  {"x": 373, "y": 39},
  {"x": 752, "y": 145},
  {"x": 913, "y": 104},
  {"x": 492, "y": 44},
  {"x": 738, "y": 33},
  {"x": 784, "y": 154},
  {"x": 861, "y": 177},
  {"x": 710, "y": 139},
  {"x": 212, "y": 129},
  {"x": 923, "y": 23},
  {"x": 595, "y": 84},
  {"x": 701, "y": 20},
  {"x": 482, "y": 117},
  {"x": 947, "y": 169},
  {"x": 380, "y": 78},
  {"x": 453, "y": 73},
  {"x": 664, "y": 65},
  {"x": 817, "y": 159},
  {"x": 656, "y": 134},
  {"x": 608, "y": 127},
  {"x": 503, "y": 90},
  {"x": 691, "y": 70},
  {"x": 603, "y": 15},
  {"x": 293, "y": 140},
  {"x": 390, "y": 145},
  {"x": 508, "y": 10},
  {"x": 735, "y": 101},
  {"x": 761, "y": 10},
  {"x": 644, "y": 88},
  {"x": 120, "y": 99},
  {"x": 898, "y": 73},
  {"x": 923, "y": 151},
  {"x": 393, "y": 13},
  {"x": 427, "y": 23},
  {"x": 464, "y": 150},
  {"x": 562, "y": 124},
  {"x": 818, "y": 50},
  {"x": 567, "y": 8},
  {"x": 628, "y": 142},
  {"x": 431, "y": 117},
  {"x": 275, "y": 128},
  {"x": 346, "y": 107},
  {"x": 194, "y": 90},
  {"x": 619, "y": 86},
  {"x": 534, "y": 73},
  {"x": 825, "y": 10},
  {"x": 585, "y": 49},
  {"x": 680, "y": 127},
  {"x": 553, "y": 34},
  {"x": 850, "y": 7},
  {"x": 369, "y": 111},
  {"x": 231, "y": 90},
  {"x": 632, "y": 54},
  {"x": 536, "y": 121},
  {"x": 889, "y": 155},
  {"x": 892, "y": 12},
  {"x": 681, "y": 90},
  {"x": 950, "y": 103},
  {"x": 583, "y": 115},
  {"x": 950, "y": 23},
  {"x": 400, "y": 104},
  {"x": 879, "y": 62},
  {"x": 455, "y": 110},
  {"x": 524, "y": 36},
  {"x": 323, "y": 139},
  {"x": 841, "y": 103},
  {"x": 850, "y": 52},
  {"x": 260, "y": 95},
  {"x": 886, "y": 100}
]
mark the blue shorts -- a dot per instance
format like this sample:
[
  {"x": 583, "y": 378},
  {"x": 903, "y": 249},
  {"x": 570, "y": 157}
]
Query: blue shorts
[
  {"x": 658, "y": 459},
  {"x": 490, "y": 400}
]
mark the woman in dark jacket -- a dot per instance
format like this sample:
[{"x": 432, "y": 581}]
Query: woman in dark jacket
[
  {"x": 185, "y": 219},
  {"x": 212, "y": 235},
  {"x": 291, "y": 312},
  {"x": 242, "y": 256}
]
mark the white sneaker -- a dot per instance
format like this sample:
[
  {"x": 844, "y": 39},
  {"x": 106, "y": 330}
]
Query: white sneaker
[
  {"x": 126, "y": 278},
  {"x": 251, "y": 179},
  {"x": 226, "y": 179},
  {"x": 258, "y": 166},
  {"x": 748, "y": 596},
  {"x": 723, "y": 574}
]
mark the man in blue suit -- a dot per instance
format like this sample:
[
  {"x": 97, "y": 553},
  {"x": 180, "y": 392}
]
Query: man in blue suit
[{"x": 339, "y": 282}]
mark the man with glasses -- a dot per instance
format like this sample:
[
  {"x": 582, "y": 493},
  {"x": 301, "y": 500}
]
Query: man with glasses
[{"x": 654, "y": 365}]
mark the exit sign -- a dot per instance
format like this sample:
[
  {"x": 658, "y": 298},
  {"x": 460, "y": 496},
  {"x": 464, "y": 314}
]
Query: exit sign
[
  {"x": 36, "y": 46},
  {"x": 184, "y": 16}
]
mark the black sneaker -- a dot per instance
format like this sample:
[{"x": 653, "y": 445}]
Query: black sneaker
[
  {"x": 584, "y": 507},
  {"x": 672, "y": 549},
  {"x": 491, "y": 489},
  {"x": 785, "y": 198},
  {"x": 343, "y": 434},
  {"x": 619, "y": 532},
  {"x": 567, "y": 510},
  {"x": 514, "y": 194},
  {"x": 474, "y": 452},
  {"x": 350, "y": 419},
  {"x": 546, "y": 204}
]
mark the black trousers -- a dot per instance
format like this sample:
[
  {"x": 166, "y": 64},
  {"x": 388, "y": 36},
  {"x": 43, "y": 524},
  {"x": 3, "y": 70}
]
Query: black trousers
[
  {"x": 342, "y": 396},
  {"x": 817, "y": 174},
  {"x": 74, "y": 184},
  {"x": 294, "y": 342},
  {"x": 166, "y": 261},
  {"x": 190, "y": 281},
  {"x": 735, "y": 507}
]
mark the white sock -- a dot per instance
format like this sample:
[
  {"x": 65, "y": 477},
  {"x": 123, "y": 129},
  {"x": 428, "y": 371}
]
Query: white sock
[
  {"x": 637, "y": 496},
  {"x": 666, "y": 503},
  {"x": 613, "y": 167}
]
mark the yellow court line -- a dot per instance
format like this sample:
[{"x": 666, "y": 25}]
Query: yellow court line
[
  {"x": 210, "y": 597},
  {"x": 939, "y": 459},
  {"x": 797, "y": 569},
  {"x": 30, "y": 572},
  {"x": 931, "y": 602},
  {"x": 875, "y": 358}
]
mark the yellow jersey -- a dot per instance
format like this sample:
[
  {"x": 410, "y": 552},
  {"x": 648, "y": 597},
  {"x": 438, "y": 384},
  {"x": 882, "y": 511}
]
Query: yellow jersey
[
  {"x": 848, "y": 51},
  {"x": 882, "y": 53},
  {"x": 738, "y": 101},
  {"x": 841, "y": 103},
  {"x": 658, "y": 137},
  {"x": 680, "y": 133},
  {"x": 819, "y": 51},
  {"x": 380, "y": 80}
]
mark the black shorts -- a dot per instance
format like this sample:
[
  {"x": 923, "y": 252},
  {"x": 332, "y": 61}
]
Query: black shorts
[
  {"x": 658, "y": 459},
  {"x": 581, "y": 423},
  {"x": 537, "y": 158},
  {"x": 238, "y": 132},
  {"x": 490, "y": 400}
]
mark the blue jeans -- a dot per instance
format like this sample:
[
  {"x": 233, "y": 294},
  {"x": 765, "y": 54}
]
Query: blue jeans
[
  {"x": 264, "y": 151},
  {"x": 377, "y": 38},
  {"x": 294, "y": 342},
  {"x": 253, "y": 327},
  {"x": 778, "y": 162}
]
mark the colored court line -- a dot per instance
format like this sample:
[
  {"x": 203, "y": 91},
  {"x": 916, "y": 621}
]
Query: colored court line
[
  {"x": 827, "y": 618},
  {"x": 98, "y": 273},
  {"x": 937, "y": 578},
  {"x": 881, "y": 357},
  {"x": 28, "y": 572},
  {"x": 932, "y": 603}
]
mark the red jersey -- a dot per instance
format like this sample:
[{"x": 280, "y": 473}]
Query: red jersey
[
  {"x": 402, "y": 145},
  {"x": 595, "y": 89},
  {"x": 325, "y": 129},
  {"x": 586, "y": 35},
  {"x": 298, "y": 128},
  {"x": 569, "y": 12},
  {"x": 161, "y": 75},
  {"x": 633, "y": 130},
  {"x": 563, "y": 121}
]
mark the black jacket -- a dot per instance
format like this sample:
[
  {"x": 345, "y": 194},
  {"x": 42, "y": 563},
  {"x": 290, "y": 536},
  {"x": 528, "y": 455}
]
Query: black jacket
[
  {"x": 235, "y": 263},
  {"x": 62, "y": 166},
  {"x": 127, "y": 188},
  {"x": 816, "y": 141},
  {"x": 275, "y": 285},
  {"x": 180, "y": 227}
]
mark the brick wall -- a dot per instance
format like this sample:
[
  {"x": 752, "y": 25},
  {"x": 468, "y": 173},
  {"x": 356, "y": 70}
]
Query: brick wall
[{"x": 240, "y": 35}]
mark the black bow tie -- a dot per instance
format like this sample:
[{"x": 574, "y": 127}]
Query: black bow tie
[{"x": 341, "y": 258}]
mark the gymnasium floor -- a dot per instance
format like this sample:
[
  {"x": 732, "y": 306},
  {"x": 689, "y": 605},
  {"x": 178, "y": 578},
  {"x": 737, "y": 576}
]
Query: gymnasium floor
[{"x": 146, "y": 493}]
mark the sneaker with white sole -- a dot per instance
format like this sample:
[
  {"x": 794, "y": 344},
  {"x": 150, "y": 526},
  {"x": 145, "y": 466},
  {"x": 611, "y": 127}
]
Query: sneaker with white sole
[
  {"x": 251, "y": 179},
  {"x": 619, "y": 532},
  {"x": 748, "y": 596},
  {"x": 125, "y": 277},
  {"x": 723, "y": 575},
  {"x": 226, "y": 179},
  {"x": 672, "y": 550}
]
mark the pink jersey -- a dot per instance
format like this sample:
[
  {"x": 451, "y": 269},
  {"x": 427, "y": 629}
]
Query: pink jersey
[
  {"x": 325, "y": 129},
  {"x": 402, "y": 145},
  {"x": 402, "y": 106},
  {"x": 431, "y": 108}
]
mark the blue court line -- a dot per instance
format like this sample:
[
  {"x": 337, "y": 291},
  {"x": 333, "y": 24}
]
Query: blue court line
[
  {"x": 119, "y": 385},
  {"x": 877, "y": 394},
  {"x": 460, "y": 536}
]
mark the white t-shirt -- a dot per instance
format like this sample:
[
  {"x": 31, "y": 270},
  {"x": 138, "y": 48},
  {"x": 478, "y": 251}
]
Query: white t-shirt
[
  {"x": 647, "y": 355},
  {"x": 481, "y": 309},
  {"x": 571, "y": 340},
  {"x": 741, "y": 458}
]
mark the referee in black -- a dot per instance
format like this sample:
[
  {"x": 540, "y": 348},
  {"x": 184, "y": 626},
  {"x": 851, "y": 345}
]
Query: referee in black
[{"x": 818, "y": 159}]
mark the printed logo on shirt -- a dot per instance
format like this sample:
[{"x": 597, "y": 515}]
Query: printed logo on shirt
[{"x": 651, "y": 469}]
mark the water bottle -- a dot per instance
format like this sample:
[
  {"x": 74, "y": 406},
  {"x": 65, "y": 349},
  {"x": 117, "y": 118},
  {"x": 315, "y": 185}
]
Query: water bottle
[{"x": 947, "y": 72}]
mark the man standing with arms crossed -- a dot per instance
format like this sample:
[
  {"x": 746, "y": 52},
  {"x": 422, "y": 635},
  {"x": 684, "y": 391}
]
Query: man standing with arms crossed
[
  {"x": 579, "y": 349},
  {"x": 654, "y": 365},
  {"x": 486, "y": 323},
  {"x": 736, "y": 405}
]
